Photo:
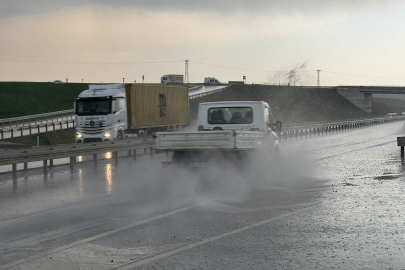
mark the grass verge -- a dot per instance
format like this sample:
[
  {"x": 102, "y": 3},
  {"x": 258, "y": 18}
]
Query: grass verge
[{"x": 51, "y": 138}]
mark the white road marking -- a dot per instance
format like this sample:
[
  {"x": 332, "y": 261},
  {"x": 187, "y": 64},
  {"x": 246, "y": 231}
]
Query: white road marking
[
  {"x": 86, "y": 240},
  {"x": 226, "y": 208},
  {"x": 208, "y": 240}
]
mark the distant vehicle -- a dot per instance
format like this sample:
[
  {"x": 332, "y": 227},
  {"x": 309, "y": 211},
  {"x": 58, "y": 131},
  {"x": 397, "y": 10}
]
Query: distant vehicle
[
  {"x": 171, "y": 79},
  {"x": 102, "y": 113},
  {"x": 390, "y": 114},
  {"x": 57, "y": 82},
  {"x": 209, "y": 80}
]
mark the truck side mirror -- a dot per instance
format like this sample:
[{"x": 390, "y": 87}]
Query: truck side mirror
[
  {"x": 277, "y": 126},
  {"x": 113, "y": 106}
]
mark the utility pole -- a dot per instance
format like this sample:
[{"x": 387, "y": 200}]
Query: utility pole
[
  {"x": 317, "y": 80},
  {"x": 186, "y": 71}
]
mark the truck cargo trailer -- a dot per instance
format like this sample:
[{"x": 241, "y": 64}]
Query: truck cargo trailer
[{"x": 110, "y": 112}]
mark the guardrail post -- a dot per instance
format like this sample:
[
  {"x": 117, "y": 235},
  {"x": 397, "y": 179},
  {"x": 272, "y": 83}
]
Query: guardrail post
[
  {"x": 12, "y": 133},
  {"x": 72, "y": 162},
  {"x": 45, "y": 165},
  {"x": 21, "y": 131},
  {"x": 2, "y": 135},
  {"x": 95, "y": 160},
  {"x": 151, "y": 152},
  {"x": 51, "y": 163},
  {"x": 30, "y": 129},
  {"x": 14, "y": 167},
  {"x": 67, "y": 124},
  {"x": 116, "y": 158},
  {"x": 53, "y": 124},
  {"x": 134, "y": 153},
  {"x": 60, "y": 123},
  {"x": 38, "y": 129},
  {"x": 25, "y": 166},
  {"x": 46, "y": 126},
  {"x": 145, "y": 150}
]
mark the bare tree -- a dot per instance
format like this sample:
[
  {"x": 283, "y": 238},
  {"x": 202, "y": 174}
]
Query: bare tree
[{"x": 297, "y": 75}]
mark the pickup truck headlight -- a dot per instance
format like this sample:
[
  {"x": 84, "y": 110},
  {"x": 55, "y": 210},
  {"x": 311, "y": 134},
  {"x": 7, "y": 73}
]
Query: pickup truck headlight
[
  {"x": 78, "y": 135},
  {"x": 107, "y": 134}
]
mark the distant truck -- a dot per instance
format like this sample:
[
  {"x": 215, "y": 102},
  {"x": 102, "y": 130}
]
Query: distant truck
[
  {"x": 171, "y": 79},
  {"x": 109, "y": 112},
  {"x": 210, "y": 80},
  {"x": 227, "y": 130}
]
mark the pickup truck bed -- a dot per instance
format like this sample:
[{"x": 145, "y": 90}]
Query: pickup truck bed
[{"x": 242, "y": 140}]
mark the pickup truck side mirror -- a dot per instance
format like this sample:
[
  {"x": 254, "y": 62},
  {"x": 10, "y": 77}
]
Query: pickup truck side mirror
[{"x": 277, "y": 126}]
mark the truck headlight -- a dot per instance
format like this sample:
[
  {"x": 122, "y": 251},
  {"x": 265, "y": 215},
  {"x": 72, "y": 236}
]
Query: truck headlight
[
  {"x": 78, "y": 135},
  {"x": 107, "y": 134}
]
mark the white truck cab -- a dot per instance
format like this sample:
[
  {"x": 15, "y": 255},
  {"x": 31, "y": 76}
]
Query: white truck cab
[
  {"x": 235, "y": 115},
  {"x": 101, "y": 113}
]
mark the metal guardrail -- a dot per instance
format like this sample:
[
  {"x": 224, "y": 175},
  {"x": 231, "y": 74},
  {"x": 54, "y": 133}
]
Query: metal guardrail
[
  {"x": 35, "y": 117},
  {"x": 36, "y": 129},
  {"x": 13, "y": 157},
  {"x": 314, "y": 129},
  {"x": 70, "y": 150},
  {"x": 193, "y": 96}
]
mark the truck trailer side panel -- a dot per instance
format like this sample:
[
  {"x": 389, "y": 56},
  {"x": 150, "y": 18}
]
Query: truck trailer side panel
[{"x": 156, "y": 105}]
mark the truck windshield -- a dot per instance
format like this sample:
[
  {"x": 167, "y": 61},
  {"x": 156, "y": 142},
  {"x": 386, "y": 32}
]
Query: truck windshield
[
  {"x": 230, "y": 115},
  {"x": 93, "y": 106}
]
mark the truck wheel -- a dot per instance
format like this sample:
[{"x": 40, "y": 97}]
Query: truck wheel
[{"x": 120, "y": 136}]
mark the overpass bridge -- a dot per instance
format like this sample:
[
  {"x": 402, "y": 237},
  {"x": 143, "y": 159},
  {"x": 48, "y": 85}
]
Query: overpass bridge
[{"x": 362, "y": 96}]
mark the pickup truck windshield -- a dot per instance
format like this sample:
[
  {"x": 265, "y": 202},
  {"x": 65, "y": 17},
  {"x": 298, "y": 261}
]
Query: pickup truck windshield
[
  {"x": 93, "y": 106},
  {"x": 230, "y": 115}
]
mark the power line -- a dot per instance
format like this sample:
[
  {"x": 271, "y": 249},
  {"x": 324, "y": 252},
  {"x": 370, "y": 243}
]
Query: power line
[
  {"x": 260, "y": 70},
  {"x": 365, "y": 76},
  {"x": 87, "y": 63},
  {"x": 177, "y": 61}
]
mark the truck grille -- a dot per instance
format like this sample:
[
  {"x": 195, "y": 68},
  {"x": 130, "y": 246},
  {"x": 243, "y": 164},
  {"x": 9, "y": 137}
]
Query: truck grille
[{"x": 92, "y": 127}]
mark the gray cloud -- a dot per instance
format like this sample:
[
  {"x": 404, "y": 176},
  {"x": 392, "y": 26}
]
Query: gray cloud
[{"x": 21, "y": 7}]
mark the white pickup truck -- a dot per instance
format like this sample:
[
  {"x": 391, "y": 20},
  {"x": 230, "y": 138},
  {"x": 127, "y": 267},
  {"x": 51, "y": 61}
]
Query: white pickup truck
[{"x": 226, "y": 131}]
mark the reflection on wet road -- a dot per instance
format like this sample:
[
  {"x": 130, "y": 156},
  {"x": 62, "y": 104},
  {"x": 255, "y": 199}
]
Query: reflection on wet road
[{"x": 335, "y": 201}]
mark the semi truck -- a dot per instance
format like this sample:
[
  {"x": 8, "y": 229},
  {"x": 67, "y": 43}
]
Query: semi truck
[
  {"x": 171, "y": 79},
  {"x": 227, "y": 131},
  {"x": 111, "y": 112}
]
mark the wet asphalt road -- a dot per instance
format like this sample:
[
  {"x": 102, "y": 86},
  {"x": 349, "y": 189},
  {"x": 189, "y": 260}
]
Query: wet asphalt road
[{"x": 327, "y": 202}]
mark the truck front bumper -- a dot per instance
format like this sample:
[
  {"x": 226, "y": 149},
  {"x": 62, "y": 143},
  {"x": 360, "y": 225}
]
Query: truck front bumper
[{"x": 100, "y": 137}]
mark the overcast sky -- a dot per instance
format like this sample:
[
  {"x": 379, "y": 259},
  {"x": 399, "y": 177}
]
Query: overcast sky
[{"x": 357, "y": 42}]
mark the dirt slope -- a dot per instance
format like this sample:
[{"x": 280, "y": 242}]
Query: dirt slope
[{"x": 291, "y": 104}]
